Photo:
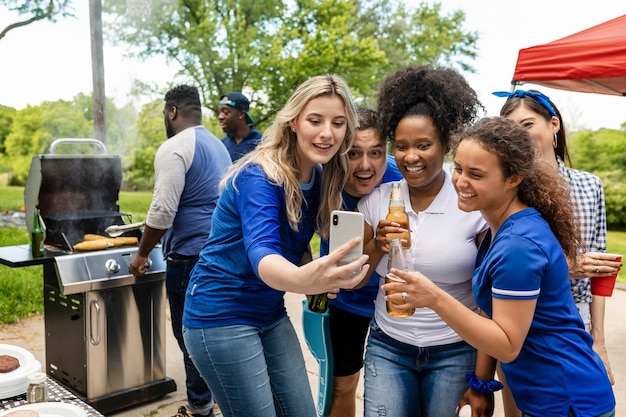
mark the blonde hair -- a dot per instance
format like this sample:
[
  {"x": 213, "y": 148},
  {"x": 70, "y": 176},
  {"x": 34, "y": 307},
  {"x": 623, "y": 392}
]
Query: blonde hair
[{"x": 276, "y": 154}]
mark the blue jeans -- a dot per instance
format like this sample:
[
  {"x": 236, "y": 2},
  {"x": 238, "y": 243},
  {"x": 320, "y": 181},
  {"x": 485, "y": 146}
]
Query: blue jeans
[
  {"x": 253, "y": 371},
  {"x": 409, "y": 381},
  {"x": 178, "y": 271}
]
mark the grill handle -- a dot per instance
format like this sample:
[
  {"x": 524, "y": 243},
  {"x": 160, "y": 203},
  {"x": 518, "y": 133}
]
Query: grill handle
[
  {"x": 99, "y": 147},
  {"x": 95, "y": 311}
]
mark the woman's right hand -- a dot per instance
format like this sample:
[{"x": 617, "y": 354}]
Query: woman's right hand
[
  {"x": 382, "y": 230},
  {"x": 330, "y": 277}
]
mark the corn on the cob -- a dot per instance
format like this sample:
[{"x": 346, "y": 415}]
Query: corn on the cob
[
  {"x": 90, "y": 236},
  {"x": 93, "y": 245},
  {"x": 125, "y": 241},
  {"x": 115, "y": 241}
]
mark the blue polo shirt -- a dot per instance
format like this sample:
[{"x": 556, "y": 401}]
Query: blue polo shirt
[
  {"x": 525, "y": 261},
  {"x": 248, "y": 143}
]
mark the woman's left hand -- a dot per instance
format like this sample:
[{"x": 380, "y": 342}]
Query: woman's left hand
[
  {"x": 417, "y": 292},
  {"x": 595, "y": 264},
  {"x": 600, "y": 349}
]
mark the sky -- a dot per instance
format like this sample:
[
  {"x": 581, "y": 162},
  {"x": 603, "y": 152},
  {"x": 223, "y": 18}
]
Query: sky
[{"x": 51, "y": 61}]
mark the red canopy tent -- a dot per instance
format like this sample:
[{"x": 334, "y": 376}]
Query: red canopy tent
[{"x": 590, "y": 61}]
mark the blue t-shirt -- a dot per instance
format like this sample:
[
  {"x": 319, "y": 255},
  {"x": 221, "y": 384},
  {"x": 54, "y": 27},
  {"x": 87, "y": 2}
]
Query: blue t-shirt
[
  {"x": 249, "y": 223},
  {"x": 247, "y": 144},
  {"x": 361, "y": 301},
  {"x": 525, "y": 261}
]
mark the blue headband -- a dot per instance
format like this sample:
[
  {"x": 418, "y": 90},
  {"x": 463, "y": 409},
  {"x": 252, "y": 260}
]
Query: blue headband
[{"x": 538, "y": 97}]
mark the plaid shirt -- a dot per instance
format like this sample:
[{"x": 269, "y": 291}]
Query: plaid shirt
[{"x": 588, "y": 198}]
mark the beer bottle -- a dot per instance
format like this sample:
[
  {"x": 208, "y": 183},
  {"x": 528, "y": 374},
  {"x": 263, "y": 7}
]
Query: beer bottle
[
  {"x": 318, "y": 303},
  {"x": 396, "y": 260},
  {"x": 397, "y": 214},
  {"x": 36, "y": 235}
]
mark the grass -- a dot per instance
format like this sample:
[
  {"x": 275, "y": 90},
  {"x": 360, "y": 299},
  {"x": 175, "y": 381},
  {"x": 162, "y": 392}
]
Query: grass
[
  {"x": 21, "y": 289},
  {"x": 616, "y": 243}
]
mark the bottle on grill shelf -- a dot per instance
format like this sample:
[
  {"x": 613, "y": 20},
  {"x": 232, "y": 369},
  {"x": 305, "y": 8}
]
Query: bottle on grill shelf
[
  {"x": 396, "y": 260},
  {"x": 397, "y": 214},
  {"x": 36, "y": 235},
  {"x": 37, "y": 391}
]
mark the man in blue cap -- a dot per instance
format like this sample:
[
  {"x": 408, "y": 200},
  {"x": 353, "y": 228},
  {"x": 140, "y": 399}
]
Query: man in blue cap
[{"x": 241, "y": 136}]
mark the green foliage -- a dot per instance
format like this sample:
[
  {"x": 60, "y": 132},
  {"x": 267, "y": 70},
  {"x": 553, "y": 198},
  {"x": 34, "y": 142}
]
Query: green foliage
[
  {"x": 34, "y": 10},
  {"x": 616, "y": 243},
  {"x": 35, "y": 127},
  {"x": 267, "y": 47},
  {"x": 139, "y": 174},
  {"x": 6, "y": 121},
  {"x": 21, "y": 289},
  {"x": 603, "y": 152}
]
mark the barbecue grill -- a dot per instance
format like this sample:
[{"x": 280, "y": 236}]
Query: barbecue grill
[{"x": 105, "y": 328}]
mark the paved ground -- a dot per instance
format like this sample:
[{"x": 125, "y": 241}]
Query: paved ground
[{"x": 29, "y": 334}]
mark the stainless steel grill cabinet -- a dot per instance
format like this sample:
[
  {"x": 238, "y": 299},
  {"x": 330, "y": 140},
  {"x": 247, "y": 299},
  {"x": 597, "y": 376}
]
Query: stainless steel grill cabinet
[{"x": 105, "y": 328}]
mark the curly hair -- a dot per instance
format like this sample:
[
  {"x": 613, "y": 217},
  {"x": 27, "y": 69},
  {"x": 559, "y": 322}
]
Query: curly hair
[
  {"x": 185, "y": 98},
  {"x": 542, "y": 187},
  {"x": 276, "y": 153},
  {"x": 440, "y": 94}
]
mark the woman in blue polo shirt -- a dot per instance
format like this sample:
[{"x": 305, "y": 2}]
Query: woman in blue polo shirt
[
  {"x": 521, "y": 283},
  {"x": 236, "y": 327}
]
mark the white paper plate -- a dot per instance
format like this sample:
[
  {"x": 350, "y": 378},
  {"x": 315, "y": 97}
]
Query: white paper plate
[
  {"x": 51, "y": 410},
  {"x": 15, "y": 382}
]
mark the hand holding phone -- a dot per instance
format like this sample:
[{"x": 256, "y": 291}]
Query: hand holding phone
[{"x": 345, "y": 225}]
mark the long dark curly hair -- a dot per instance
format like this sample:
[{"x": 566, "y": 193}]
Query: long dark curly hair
[
  {"x": 542, "y": 187},
  {"x": 440, "y": 94}
]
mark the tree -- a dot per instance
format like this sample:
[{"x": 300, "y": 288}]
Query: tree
[
  {"x": 6, "y": 121},
  {"x": 603, "y": 152},
  {"x": 35, "y": 10},
  {"x": 35, "y": 127},
  {"x": 267, "y": 47}
]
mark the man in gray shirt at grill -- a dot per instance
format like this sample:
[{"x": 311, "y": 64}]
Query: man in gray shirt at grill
[{"x": 187, "y": 170}]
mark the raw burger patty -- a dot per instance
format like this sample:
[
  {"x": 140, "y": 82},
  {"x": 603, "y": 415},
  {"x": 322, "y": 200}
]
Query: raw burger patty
[{"x": 8, "y": 363}]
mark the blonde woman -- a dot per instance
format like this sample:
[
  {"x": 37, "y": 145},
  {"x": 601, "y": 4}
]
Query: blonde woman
[{"x": 273, "y": 199}]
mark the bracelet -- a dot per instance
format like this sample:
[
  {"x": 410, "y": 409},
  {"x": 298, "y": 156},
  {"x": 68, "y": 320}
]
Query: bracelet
[{"x": 481, "y": 385}]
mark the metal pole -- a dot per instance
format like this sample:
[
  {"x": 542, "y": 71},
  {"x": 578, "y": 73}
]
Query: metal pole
[{"x": 97, "y": 70}]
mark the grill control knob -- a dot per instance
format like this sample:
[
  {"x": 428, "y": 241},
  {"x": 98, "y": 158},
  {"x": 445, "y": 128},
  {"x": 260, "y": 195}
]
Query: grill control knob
[
  {"x": 148, "y": 263},
  {"x": 112, "y": 266}
]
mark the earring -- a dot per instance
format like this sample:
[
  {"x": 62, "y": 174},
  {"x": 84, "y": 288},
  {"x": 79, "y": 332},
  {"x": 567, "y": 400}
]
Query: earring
[{"x": 554, "y": 142}]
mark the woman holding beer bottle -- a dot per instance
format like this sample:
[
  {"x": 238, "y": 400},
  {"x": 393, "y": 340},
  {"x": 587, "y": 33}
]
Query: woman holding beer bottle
[
  {"x": 417, "y": 365},
  {"x": 236, "y": 327}
]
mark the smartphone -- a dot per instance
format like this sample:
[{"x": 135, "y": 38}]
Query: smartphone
[{"x": 345, "y": 225}]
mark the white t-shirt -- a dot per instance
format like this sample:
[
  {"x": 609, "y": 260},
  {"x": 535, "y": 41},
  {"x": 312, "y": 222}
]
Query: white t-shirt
[{"x": 443, "y": 248}]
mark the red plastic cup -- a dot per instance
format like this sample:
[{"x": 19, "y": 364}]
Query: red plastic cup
[{"x": 604, "y": 286}]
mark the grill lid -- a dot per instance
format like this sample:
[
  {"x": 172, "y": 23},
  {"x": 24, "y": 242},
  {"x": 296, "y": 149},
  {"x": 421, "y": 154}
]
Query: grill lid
[{"x": 76, "y": 193}]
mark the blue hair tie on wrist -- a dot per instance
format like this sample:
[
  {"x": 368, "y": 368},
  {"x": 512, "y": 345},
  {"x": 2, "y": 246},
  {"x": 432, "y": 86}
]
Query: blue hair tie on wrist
[{"x": 481, "y": 385}]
